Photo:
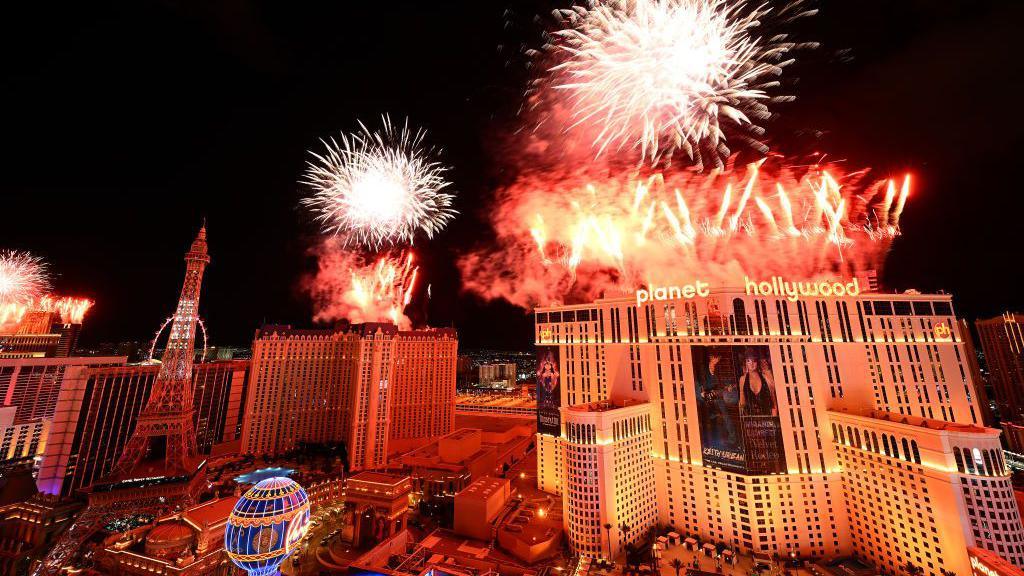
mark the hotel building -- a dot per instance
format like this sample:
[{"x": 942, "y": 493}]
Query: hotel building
[
  {"x": 39, "y": 334},
  {"x": 365, "y": 385},
  {"x": 816, "y": 427},
  {"x": 501, "y": 375},
  {"x": 97, "y": 409},
  {"x": 423, "y": 387},
  {"x": 1002, "y": 340},
  {"x": 29, "y": 388}
]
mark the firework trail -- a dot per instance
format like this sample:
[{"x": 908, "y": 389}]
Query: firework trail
[
  {"x": 661, "y": 76},
  {"x": 573, "y": 237},
  {"x": 379, "y": 188},
  {"x": 362, "y": 288},
  {"x": 23, "y": 277}
]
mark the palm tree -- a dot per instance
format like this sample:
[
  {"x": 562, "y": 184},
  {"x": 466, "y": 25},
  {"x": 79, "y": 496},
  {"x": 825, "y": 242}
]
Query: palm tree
[
  {"x": 624, "y": 528},
  {"x": 913, "y": 569},
  {"x": 677, "y": 565},
  {"x": 608, "y": 530}
]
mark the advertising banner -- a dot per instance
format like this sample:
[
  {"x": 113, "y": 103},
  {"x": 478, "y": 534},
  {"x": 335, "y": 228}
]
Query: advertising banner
[
  {"x": 549, "y": 392},
  {"x": 738, "y": 409}
]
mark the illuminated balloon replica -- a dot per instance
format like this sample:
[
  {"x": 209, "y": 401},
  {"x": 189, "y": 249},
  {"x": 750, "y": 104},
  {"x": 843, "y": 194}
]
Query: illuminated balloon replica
[{"x": 266, "y": 525}]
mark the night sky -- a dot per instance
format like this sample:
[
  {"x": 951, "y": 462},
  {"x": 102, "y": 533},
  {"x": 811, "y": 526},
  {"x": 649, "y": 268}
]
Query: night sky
[{"x": 124, "y": 126}]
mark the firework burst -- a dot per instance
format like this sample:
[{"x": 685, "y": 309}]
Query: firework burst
[
  {"x": 378, "y": 188},
  {"x": 363, "y": 288},
  {"x": 576, "y": 237},
  {"x": 23, "y": 277},
  {"x": 667, "y": 75}
]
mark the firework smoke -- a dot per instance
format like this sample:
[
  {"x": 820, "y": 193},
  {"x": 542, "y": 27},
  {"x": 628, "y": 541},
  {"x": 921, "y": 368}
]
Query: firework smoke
[
  {"x": 362, "y": 289},
  {"x": 573, "y": 237},
  {"x": 666, "y": 75},
  {"x": 23, "y": 277},
  {"x": 378, "y": 188}
]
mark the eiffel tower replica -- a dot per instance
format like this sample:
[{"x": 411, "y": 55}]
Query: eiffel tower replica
[
  {"x": 160, "y": 461},
  {"x": 159, "y": 468}
]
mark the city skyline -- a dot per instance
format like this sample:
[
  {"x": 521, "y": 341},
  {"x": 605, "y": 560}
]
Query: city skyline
[
  {"x": 566, "y": 287},
  {"x": 253, "y": 115}
]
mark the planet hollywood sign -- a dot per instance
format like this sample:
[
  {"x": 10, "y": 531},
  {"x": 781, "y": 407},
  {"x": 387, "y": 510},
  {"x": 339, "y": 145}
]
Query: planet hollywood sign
[{"x": 776, "y": 286}]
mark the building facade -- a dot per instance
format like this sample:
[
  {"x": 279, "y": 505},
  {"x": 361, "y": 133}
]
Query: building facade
[
  {"x": 615, "y": 504},
  {"x": 1002, "y": 341},
  {"x": 362, "y": 385},
  {"x": 423, "y": 387},
  {"x": 29, "y": 388},
  {"x": 97, "y": 409},
  {"x": 502, "y": 375},
  {"x": 742, "y": 389},
  {"x": 39, "y": 334}
]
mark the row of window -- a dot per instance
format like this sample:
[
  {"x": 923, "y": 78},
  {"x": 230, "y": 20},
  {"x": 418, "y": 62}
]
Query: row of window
[{"x": 889, "y": 446}]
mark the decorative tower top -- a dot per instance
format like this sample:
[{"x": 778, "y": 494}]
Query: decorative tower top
[{"x": 198, "y": 250}]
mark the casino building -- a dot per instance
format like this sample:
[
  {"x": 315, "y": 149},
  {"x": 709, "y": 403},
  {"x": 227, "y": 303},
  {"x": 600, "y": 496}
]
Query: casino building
[
  {"x": 802, "y": 426},
  {"x": 371, "y": 386}
]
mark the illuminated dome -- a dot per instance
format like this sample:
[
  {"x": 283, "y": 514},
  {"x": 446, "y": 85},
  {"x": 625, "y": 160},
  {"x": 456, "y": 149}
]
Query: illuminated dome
[
  {"x": 266, "y": 525},
  {"x": 169, "y": 540}
]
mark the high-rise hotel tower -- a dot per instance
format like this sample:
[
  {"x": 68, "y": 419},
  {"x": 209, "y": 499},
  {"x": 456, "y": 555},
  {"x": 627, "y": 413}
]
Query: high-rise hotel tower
[
  {"x": 803, "y": 426},
  {"x": 371, "y": 386}
]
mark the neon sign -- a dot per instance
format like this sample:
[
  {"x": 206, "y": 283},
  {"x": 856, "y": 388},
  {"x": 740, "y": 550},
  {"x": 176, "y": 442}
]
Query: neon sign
[
  {"x": 793, "y": 291},
  {"x": 697, "y": 288},
  {"x": 297, "y": 528}
]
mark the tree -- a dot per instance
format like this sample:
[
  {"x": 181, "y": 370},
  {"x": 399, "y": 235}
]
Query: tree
[
  {"x": 624, "y": 528},
  {"x": 608, "y": 530},
  {"x": 677, "y": 565},
  {"x": 913, "y": 569}
]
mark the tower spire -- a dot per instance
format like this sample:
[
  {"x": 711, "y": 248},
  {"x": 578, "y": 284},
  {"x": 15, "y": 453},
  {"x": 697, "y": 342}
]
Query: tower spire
[{"x": 164, "y": 441}]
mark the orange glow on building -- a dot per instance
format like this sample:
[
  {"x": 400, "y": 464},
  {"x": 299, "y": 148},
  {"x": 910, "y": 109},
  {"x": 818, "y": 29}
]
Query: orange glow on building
[
  {"x": 364, "y": 384},
  {"x": 749, "y": 398}
]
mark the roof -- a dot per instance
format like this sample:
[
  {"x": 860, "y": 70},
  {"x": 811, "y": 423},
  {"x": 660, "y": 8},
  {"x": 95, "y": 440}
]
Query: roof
[
  {"x": 378, "y": 478},
  {"x": 365, "y": 329},
  {"x": 210, "y": 513},
  {"x": 918, "y": 421},
  {"x": 462, "y": 434},
  {"x": 483, "y": 488},
  {"x": 173, "y": 531},
  {"x": 430, "y": 333},
  {"x": 604, "y": 406}
]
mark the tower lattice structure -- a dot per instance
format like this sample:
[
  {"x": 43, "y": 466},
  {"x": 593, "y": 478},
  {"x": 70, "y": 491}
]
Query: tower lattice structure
[{"x": 164, "y": 440}]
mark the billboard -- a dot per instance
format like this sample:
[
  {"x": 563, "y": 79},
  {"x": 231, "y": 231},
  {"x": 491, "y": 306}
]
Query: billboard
[
  {"x": 549, "y": 391},
  {"x": 738, "y": 409}
]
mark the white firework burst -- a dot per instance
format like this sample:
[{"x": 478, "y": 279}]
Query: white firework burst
[
  {"x": 379, "y": 188},
  {"x": 667, "y": 75},
  {"x": 23, "y": 277}
]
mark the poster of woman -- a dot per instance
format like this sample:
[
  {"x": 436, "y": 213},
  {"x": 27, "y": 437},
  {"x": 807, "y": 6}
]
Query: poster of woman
[
  {"x": 738, "y": 409},
  {"x": 549, "y": 394}
]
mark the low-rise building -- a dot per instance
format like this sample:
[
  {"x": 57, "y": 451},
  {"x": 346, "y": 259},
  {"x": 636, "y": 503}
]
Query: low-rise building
[
  {"x": 187, "y": 544},
  {"x": 478, "y": 505}
]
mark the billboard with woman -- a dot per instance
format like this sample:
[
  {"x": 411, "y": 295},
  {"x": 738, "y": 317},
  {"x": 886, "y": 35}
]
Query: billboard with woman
[
  {"x": 549, "y": 393},
  {"x": 738, "y": 409}
]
